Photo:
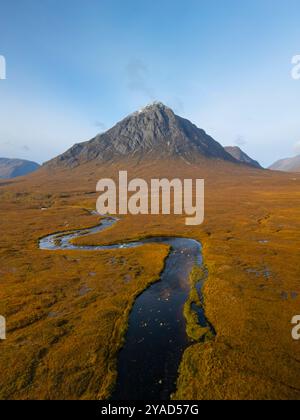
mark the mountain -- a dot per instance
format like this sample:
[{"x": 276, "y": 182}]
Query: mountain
[
  {"x": 11, "y": 168},
  {"x": 287, "y": 165},
  {"x": 241, "y": 156},
  {"x": 153, "y": 132}
]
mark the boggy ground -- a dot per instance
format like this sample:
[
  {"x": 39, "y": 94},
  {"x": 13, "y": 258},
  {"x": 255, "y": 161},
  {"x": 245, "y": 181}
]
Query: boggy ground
[{"x": 67, "y": 311}]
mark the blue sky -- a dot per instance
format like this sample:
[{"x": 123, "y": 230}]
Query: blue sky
[{"x": 76, "y": 67}]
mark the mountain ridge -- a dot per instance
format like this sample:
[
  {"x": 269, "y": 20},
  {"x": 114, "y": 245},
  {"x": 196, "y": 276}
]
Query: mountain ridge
[
  {"x": 155, "y": 130},
  {"x": 12, "y": 168},
  {"x": 242, "y": 157},
  {"x": 287, "y": 165}
]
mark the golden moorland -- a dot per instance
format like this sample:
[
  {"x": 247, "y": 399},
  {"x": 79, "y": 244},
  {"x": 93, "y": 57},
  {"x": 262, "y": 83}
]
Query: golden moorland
[{"x": 67, "y": 311}]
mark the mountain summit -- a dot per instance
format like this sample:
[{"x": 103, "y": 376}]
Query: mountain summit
[{"x": 154, "y": 131}]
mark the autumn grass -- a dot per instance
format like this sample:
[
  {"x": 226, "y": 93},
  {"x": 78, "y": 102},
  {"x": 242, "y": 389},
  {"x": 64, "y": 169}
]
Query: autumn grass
[
  {"x": 67, "y": 311},
  {"x": 193, "y": 328},
  {"x": 62, "y": 343}
]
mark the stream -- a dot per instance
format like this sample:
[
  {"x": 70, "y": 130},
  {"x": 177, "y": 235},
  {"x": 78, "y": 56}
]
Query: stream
[{"x": 156, "y": 338}]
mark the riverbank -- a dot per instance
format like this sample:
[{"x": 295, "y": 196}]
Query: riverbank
[{"x": 155, "y": 320}]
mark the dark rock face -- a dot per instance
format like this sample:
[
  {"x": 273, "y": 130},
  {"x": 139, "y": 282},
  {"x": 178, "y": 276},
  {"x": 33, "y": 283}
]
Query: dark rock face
[
  {"x": 287, "y": 165},
  {"x": 153, "y": 131},
  {"x": 241, "y": 156},
  {"x": 11, "y": 168}
]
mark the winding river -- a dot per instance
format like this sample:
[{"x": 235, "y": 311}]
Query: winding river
[{"x": 156, "y": 337}]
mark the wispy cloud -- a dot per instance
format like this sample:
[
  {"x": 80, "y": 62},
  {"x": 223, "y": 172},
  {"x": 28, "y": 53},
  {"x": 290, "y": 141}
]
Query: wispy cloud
[
  {"x": 177, "y": 105},
  {"x": 100, "y": 125},
  {"x": 240, "y": 141},
  {"x": 137, "y": 75}
]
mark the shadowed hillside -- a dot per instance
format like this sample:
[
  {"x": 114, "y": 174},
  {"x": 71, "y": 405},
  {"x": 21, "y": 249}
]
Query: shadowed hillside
[
  {"x": 241, "y": 156},
  {"x": 12, "y": 168}
]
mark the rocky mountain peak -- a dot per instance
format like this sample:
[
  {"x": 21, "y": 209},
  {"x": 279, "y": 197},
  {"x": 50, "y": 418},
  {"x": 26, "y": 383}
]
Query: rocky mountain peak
[{"x": 154, "y": 131}]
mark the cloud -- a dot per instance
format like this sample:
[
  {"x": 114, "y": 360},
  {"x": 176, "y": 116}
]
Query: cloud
[
  {"x": 137, "y": 73},
  {"x": 240, "y": 141},
  {"x": 177, "y": 105},
  {"x": 101, "y": 125}
]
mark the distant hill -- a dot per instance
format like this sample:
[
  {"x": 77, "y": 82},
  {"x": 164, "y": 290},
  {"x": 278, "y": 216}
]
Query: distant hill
[
  {"x": 11, "y": 168},
  {"x": 154, "y": 132},
  {"x": 241, "y": 156},
  {"x": 287, "y": 165}
]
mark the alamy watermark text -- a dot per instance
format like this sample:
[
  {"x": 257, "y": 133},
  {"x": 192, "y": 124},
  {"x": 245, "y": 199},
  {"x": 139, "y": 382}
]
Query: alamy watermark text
[
  {"x": 161, "y": 196},
  {"x": 2, "y": 68},
  {"x": 296, "y": 328},
  {"x": 296, "y": 67},
  {"x": 2, "y": 328}
]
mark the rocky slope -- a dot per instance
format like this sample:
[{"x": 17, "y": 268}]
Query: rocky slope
[
  {"x": 241, "y": 156},
  {"x": 287, "y": 165},
  {"x": 154, "y": 131}
]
